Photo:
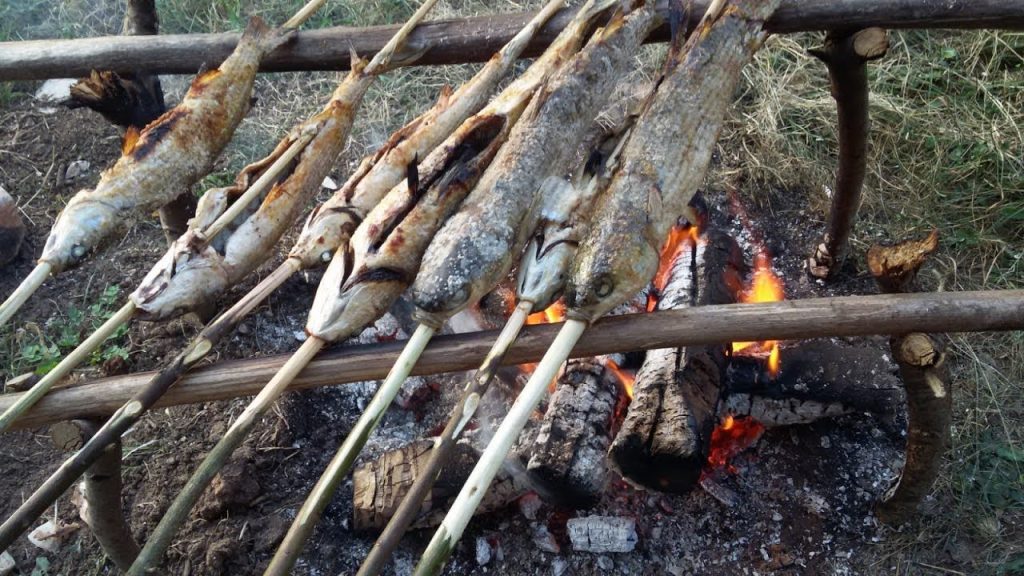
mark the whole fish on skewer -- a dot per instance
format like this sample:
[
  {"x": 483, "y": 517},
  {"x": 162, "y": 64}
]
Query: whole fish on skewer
[
  {"x": 662, "y": 165},
  {"x": 167, "y": 156}
]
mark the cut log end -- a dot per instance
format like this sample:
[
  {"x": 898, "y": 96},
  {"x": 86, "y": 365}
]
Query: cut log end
[{"x": 896, "y": 267}]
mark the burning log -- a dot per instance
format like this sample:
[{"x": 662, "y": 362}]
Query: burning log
[
  {"x": 459, "y": 41},
  {"x": 380, "y": 485},
  {"x": 663, "y": 441},
  {"x": 821, "y": 379},
  {"x": 921, "y": 359},
  {"x": 846, "y": 56},
  {"x": 569, "y": 451}
]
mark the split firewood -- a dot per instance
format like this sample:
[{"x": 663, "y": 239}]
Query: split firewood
[
  {"x": 381, "y": 484},
  {"x": 921, "y": 358},
  {"x": 570, "y": 449},
  {"x": 12, "y": 228},
  {"x": 846, "y": 55},
  {"x": 663, "y": 163},
  {"x": 664, "y": 438}
]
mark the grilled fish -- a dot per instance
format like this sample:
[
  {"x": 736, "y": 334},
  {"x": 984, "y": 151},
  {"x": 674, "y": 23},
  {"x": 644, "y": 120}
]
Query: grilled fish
[
  {"x": 664, "y": 161},
  {"x": 170, "y": 154},
  {"x": 478, "y": 245}
]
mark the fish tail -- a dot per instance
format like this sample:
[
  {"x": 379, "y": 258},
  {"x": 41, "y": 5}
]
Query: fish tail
[{"x": 267, "y": 39}]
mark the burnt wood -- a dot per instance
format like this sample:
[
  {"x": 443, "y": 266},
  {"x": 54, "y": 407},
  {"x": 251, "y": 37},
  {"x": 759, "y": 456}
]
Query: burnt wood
[
  {"x": 792, "y": 319},
  {"x": 569, "y": 451},
  {"x": 664, "y": 438},
  {"x": 381, "y": 484},
  {"x": 459, "y": 41}
]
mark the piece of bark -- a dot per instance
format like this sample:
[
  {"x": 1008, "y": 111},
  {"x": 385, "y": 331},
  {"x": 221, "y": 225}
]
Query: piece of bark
[
  {"x": 101, "y": 507},
  {"x": 12, "y": 228},
  {"x": 569, "y": 452},
  {"x": 988, "y": 310},
  {"x": 380, "y": 485},
  {"x": 462, "y": 40},
  {"x": 846, "y": 55},
  {"x": 921, "y": 359},
  {"x": 664, "y": 438}
]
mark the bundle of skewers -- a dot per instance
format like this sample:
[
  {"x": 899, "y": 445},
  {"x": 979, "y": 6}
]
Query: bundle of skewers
[{"x": 549, "y": 177}]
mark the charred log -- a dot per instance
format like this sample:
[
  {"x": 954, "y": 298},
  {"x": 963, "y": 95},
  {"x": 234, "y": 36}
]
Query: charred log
[
  {"x": 380, "y": 485},
  {"x": 846, "y": 56},
  {"x": 664, "y": 438},
  {"x": 820, "y": 379},
  {"x": 921, "y": 359},
  {"x": 569, "y": 452}
]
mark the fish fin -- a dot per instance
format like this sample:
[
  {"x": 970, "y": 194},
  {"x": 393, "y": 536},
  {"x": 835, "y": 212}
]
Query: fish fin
[{"x": 131, "y": 137}]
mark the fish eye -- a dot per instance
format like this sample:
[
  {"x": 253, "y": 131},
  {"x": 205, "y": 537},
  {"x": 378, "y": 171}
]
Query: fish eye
[
  {"x": 461, "y": 295},
  {"x": 325, "y": 256},
  {"x": 78, "y": 250},
  {"x": 604, "y": 286}
]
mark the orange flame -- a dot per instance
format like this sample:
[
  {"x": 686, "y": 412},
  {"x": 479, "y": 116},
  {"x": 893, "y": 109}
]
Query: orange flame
[
  {"x": 625, "y": 378},
  {"x": 765, "y": 286},
  {"x": 680, "y": 237},
  {"x": 550, "y": 315},
  {"x": 731, "y": 437}
]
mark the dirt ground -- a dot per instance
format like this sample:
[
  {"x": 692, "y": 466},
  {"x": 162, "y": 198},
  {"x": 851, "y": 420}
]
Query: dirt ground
[{"x": 805, "y": 493}]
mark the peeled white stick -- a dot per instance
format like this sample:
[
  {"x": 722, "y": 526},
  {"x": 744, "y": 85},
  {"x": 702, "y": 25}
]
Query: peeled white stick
[
  {"x": 454, "y": 524},
  {"x": 308, "y": 516},
  {"x": 25, "y": 290},
  {"x": 94, "y": 341}
]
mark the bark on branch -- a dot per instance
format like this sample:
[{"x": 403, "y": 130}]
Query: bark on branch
[
  {"x": 787, "y": 320},
  {"x": 846, "y": 56},
  {"x": 460, "y": 41}
]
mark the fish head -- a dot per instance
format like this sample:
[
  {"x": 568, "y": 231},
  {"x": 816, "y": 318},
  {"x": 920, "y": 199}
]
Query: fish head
[
  {"x": 543, "y": 270},
  {"x": 80, "y": 228},
  {"x": 607, "y": 272},
  {"x": 441, "y": 293},
  {"x": 189, "y": 276},
  {"x": 326, "y": 230},
  {"x": 344, "y": 306}
]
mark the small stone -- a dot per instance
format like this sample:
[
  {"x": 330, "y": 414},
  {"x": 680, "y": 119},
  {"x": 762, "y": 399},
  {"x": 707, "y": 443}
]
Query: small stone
[
  {"x": 544, "y": 540},
  {"x": 300, "y": 335},
  {"x": 7, "y": 564},
  {"x": 46, "y": 537},
  {"x": 21, "y": 383},
  {"x": 76, "y": 169},
  {"x": 826, "y": 442},
  {"x": 529, "y": 505},
  {"x": 559, "y": 566},
  {"x": 605, "y": 563},
  {"x": 483, "y": 551},
  {"x": 776, "y": 517},
  {"x": 12, "y": 228},
  {"x": 55, "y": 89},
  {"x": 244, "y": 329},
  {"x": 329, "y": 183}
]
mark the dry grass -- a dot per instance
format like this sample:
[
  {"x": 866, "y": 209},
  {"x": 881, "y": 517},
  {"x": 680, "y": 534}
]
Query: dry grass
[{"x": 947, "y": 152}]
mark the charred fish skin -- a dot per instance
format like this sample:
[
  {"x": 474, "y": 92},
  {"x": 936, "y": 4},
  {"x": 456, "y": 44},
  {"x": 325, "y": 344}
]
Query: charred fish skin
[
  {"x": 195, "y": 272},
  {"x": 332, "y": 224},
  {"x": 664, "y": 161},
  {"x": 385, "y": 251},
  {"x": 167, "y": 156},
  {"x": 479, "y": 244}
]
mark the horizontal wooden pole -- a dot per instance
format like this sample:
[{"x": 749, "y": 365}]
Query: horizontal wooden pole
[
  {"x": 789, "y": 320},
  {"x": 456, "y": 41}
]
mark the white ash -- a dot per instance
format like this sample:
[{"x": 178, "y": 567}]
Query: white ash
[{"x": 602, "y": 534}]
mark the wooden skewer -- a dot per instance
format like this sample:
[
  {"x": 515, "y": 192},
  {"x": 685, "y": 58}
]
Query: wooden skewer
[
  {"x": 24, "y": 291},
  {"x": 448, "y": 534}
]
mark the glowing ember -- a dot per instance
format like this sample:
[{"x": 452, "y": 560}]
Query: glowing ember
[
  {"x": 765, "y": 286},
  {"x": 680, "y": 238},
  {"x": 625, "y": 378},
  {"x": 550, "y": 315},
  {"x": 732, "y": 436}
]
